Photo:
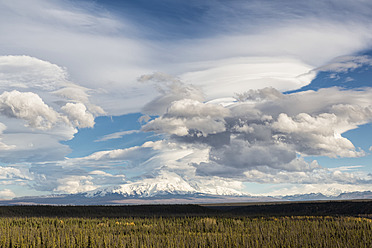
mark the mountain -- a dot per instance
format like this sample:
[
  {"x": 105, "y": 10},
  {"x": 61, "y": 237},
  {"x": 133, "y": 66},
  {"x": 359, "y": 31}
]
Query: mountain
[
  {"x": 319, "y": 196},
  {"x": 306, "y": 197},
  {"x": 119, "y": 199},
  {"x": 165, "y": 184},
  {"x": 162, "y": 190}
]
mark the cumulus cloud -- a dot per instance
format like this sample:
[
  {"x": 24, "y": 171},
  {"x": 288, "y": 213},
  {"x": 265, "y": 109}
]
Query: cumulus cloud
[
  {"x": 314, "y": 135},
  {"x": 41, "y": 85},
  {"x": 75, "y": 184},
  {"x": 190, "y": 116},
  {"x": 266, "y": 130},
  {"x": 7, "y": 194},
  {"x": 78, "y": 115},
  {"x": 41, "y": 107},
  {"x": 50, "y": 81},
  {"x": 28, "y": 106},
  {"x": 170, "y": 89},
  {"x": 260, "y": 95}
]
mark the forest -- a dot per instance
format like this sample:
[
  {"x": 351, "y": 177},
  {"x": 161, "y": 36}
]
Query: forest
[{"x": 310, "y": 224}]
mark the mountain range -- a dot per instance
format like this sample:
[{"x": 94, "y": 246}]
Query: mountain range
[{"x": 168, "y": 194}]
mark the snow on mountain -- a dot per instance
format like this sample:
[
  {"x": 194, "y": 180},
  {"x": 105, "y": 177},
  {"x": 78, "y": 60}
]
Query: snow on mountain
[{"x": 167, "y": 183}]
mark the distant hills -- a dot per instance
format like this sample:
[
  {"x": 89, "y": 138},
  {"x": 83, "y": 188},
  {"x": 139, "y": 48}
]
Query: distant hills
[{"x": 169, "y": 197}]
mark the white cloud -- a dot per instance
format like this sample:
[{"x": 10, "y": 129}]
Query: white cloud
[
  {"x": 171, "y": 89},
  {"x": 78, "y": 115},
  {"x": 317, "y": 175},
  {"x": 28, "y": 106},
  {"x": 25, "y": 72},
  {"x": 75, "y": 184},
  {"x": 266, "y": 130},
  {"x": 189, "y": 116},
  {"x": 227, "y": 77},
  {"x": 278, "y": 51},
  {"x": 346, "y": 63},
  {"x": 6, "y": 194},
  {"x": 34, "y": 147},
  {"x": 13, "y": 173},
  {"x": 328, "y": 189},
  {"x": 120, "y": 154},
  {"x": 315, "y": 135},
  {"x": 40, "y": 107},
  {"x": 116, "y": 135},
  {"x": 2, "y": 145},
  {"x": 265, "y": 138}
]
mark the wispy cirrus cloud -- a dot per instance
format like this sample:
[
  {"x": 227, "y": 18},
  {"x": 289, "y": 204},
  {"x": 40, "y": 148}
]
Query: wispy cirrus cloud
[{"x": 116, "y": 135}]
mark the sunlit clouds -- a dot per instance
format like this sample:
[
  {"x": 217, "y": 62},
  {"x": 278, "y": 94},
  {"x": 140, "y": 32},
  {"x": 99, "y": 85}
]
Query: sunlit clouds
[{"x": 228, "y": 94}]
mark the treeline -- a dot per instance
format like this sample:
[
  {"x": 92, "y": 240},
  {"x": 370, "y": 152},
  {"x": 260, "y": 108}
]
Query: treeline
[
  {"x": 345, "y": 208},
  {"x": 106, "y": 211},
  {"x": 187, "y": 232}
]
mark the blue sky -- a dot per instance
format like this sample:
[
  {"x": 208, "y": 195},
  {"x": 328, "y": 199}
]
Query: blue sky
[{"x": 220, "y": 97}]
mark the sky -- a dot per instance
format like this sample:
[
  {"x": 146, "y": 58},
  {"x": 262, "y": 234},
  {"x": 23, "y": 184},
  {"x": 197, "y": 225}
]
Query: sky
[{"x": 218, "y": 97}]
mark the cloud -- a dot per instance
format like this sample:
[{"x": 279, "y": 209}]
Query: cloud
[
  {"x": 189, "y": 116},
  {"x": 28, "y": 106},
  {"x": 129, "y": 154},
  {"x": 65, "y": 177},
  {"x": 328, "y": 189},
  {"x": 2, "y": 145},
  {"x": 116, "y": 135},
  {"x": 317, "y": 175},
  {"x": 78, "y": 115},
  {"x": 314, "y": 135},
  {"x": 224, "y": 78},
  {"x": 345, "y": 64},
  {"x": 266, "y": 130},
  {"x": 171, "y": 89},
  {"x": 40, "y": 107},
  {"x": 75, "y": 184},
  {"x": 89, "y": 65},
  {"x": 25, "y": 72},
  {"x": 33, "y": 147},
  {"x": 7, "y": 194},
  {"x": 259, "y": 95},
  {"x": 13, "y": 173},
  {"x": 284, "y": 44},
  {"x": 68, "y": 33}
]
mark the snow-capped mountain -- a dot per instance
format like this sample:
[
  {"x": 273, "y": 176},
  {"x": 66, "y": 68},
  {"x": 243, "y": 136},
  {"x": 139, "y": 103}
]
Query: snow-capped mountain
[
  {"x": 107, "y": 197},
  {"x": 170, "y": 188},
  {"x": 165, "y": 184}
]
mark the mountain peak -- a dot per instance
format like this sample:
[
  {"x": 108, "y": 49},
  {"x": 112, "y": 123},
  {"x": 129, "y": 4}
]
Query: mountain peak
[{"x": 168, "y": 183}]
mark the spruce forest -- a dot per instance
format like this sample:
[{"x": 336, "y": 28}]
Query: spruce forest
[{"x": 186, "y": 226}]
